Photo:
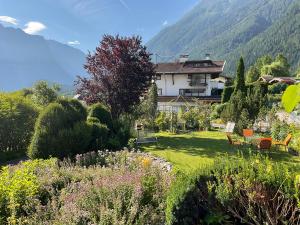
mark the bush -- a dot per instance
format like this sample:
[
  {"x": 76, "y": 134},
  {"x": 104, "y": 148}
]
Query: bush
[
  {"x": 50, "y": 192},
  {"x": 253, "y": 190},
  {"x": 17, "y": 119},
  {"x": 277, "y": 88},
  {"x": 61, "y": 131},
  {"x": 99, "y": 134},
  {"x": 101, "y": 112},
  {"x": 227, "y": 92},
  {"x": 18, "y": 185},
  {"x": 280, "y": 130},
  {"x": 162, "y": 121}
]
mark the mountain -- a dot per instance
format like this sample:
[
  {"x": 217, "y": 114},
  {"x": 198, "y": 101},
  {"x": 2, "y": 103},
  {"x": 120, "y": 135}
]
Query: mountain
[
  {"x": 24, "y": 59},
  {"x": 228, "y": 29}
]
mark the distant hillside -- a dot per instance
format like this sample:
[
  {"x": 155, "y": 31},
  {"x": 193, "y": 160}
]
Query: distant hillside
[
  {"x": 25, "y": 59},
  {"x": 228, "y": 29}
]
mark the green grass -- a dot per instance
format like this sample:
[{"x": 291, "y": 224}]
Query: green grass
[{"x": 188, "y": 152}]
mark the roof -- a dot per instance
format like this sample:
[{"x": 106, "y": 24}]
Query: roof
[
  {"x": 287, "y": 80},
  {"x": 266, "y": 78},
  {"x": 191, "y": 67}
]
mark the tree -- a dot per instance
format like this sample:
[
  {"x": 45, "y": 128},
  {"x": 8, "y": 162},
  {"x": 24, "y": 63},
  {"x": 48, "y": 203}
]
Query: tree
[
  {"x": 43, "y": 94},
  {"x": 121, "y": 71},
  {"x": 151, "y": 104},
  {"x": 279, "y": 68},
  {"x": 240, "y": 77},
  {"x": 253, "y": 74},
  {"x": 17, "y": 119}
]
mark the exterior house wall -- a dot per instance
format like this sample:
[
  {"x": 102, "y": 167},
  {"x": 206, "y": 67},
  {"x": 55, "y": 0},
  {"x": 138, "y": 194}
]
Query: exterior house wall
[{"x": 181, "y": 81}]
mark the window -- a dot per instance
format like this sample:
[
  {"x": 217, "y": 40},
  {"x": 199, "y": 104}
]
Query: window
[
  {"x": 158, "y": 77},
  {"x": 159, "y": 92},
  {"x": 192, "y": 92},
  {"x": 198, "y": 79}
]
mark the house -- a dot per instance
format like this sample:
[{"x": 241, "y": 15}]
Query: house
[
  {"x": 284, "y": 80},
  {"x": 180, "y": 83},
  {"x": 273, "y": 80}
]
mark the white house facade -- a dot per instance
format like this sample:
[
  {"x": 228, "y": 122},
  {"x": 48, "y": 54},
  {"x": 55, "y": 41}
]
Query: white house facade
[{"x": 181, "y": 82}]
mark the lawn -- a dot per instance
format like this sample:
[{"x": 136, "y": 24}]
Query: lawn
[{"x": 190, "y": 151}]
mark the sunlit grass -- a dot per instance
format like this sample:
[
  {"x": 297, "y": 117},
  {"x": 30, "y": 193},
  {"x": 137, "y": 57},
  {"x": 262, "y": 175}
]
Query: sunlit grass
[{"x": 190, "y": 151}]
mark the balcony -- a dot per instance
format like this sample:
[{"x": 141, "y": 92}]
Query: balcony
[{"x": 197, "y": 80}]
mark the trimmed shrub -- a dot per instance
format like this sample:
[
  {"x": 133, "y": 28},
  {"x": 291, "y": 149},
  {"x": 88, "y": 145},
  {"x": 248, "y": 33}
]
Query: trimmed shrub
[
  {"x": 17, "y": 119},
  {"x": 99, "y": 135},
  {"x": 61, "y": 131},
  {"x": 102, "y": 113}
]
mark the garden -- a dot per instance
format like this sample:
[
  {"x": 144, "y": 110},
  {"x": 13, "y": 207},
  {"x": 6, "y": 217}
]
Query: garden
[{"x": 79, "y": 161}]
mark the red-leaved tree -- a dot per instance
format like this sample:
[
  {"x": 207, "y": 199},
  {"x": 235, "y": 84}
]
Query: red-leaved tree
[{"x": 120, "y": 72}]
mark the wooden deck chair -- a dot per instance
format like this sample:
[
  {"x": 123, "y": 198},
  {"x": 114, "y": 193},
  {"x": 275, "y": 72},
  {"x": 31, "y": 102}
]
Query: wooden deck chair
[
  {"x": 284, "y": 143},
  {"x": 264, "y": 143},
  {"x": 232, "y": 141}
]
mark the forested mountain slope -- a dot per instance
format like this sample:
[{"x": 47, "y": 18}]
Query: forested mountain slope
[{"x": 229, "y": 28}]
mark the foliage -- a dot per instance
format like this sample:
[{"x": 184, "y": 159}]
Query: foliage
[
  {"x": 279, "y": 68},
  {"x": 252, "y": 75},
  {"x": 17, "y": 119},
  {"x": 240, "y": 77},
  {"x": 280, "y": 130},
  {"x": 253, "y": 190},
  {"x": 18, "y": 185},
  {"x": 227, "y": 92},
  {"x": 103, "y": 114},
  {"x": 245, "y": 102},
  {"x": 61, "y": 130},
  {"x": 277, "y": 88},
  {"x": 47, "y": 192},
  {"x": 43, "y": 94},
  {"x": 117, "y": 64},
  {"x": 162, "y": 121},
  {"x": 150, "y": 106},
  {"x": 291, "y": 97},
  {"x": 99, "y": 134}
]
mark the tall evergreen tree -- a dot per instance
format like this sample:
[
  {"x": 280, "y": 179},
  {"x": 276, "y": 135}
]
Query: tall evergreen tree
[
  {"x": 240, "y": 77},
  {"x": 152, "y": 104}
]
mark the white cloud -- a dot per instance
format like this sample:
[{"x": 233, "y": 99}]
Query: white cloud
[
  {"x": 165, "y": 23},
  {"x": 34, "y": 27},
  {"x": 8, "y": 19},
  {"x": 74, "y": 42}
]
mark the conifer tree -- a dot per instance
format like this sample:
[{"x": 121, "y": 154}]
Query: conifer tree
[{"x": 240, "y": 77}]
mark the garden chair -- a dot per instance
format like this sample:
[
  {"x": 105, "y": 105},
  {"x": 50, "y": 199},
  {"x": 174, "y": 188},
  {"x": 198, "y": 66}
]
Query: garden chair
[
  {"x": 248, "y": 134},
  {"x": 284, "y": 143},
  {"x": 264, "y": 143},
  {"x": 233, "y": 141}
]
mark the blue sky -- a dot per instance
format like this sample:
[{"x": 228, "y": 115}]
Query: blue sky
[{"x": 81, "y": 23}]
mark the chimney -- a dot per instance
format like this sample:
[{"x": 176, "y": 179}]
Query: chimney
[
  {"x": 183, "y": 58},
  {"x": 207, "y": 56}
]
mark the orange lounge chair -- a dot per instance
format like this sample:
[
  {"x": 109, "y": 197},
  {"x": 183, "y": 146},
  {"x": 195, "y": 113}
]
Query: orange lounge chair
[
  {"x": 284, "y": 143},
  {"x": 231, "y": 141},
  {"x": 264, "y": 143}
]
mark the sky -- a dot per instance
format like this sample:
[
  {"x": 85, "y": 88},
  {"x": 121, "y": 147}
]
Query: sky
[{"x": 82, "y": 23}]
